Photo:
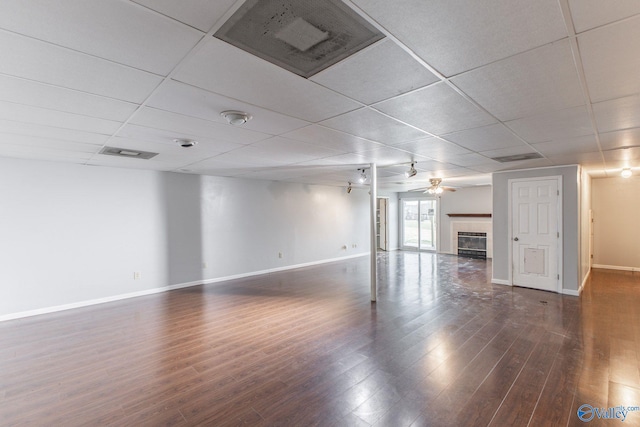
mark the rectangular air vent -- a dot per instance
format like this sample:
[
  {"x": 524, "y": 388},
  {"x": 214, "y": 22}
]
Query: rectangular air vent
[
  {"x": 517, "y": 157},
  {"x": 302, "y": 36},
  {"x": 126, "y": 152}
]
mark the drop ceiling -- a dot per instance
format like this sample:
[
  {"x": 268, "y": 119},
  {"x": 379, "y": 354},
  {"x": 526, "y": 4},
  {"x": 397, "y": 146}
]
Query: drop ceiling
[{"x": 450, "y": 86}]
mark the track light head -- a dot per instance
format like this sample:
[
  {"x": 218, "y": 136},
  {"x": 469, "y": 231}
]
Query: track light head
[
  {"x": 363, "y": 176},
  {"x": 411, "y": 172},
  {"x": 349, "y": 189}
]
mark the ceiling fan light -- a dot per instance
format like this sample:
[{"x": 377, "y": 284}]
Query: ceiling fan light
[{"x": 626, "y": 173}]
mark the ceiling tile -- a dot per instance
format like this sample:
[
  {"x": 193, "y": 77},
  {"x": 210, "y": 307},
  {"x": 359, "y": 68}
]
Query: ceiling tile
[
  {"x": 39, "y": 61},
  {"x": 286, "y": 150},
  {"x": 30, "y": 129},
  {"x": 369, "y": 124},
  {"x": 593, "y": 159},
  {"x": 434, "y": 148},
  {"x": 153, "y": 42},
  {"x": 168, "y": 151},
  {"x": 473, "y": 159},
  {"x": 618, "y": 139},
  {"x": 28, "y": 92},
  {"x": 159, "y": 136},
  {"x": 614, "y": 44},
  {"x": 588, "y": 14},
  {"x": 485, "y": 138},
  {"x": 330, "y": 138},
  {"x": 192, "y": 101},
  {"x": 253, "y": 159},
  {"x": 436, "y": 109},
  {"x": 41, "y": 153},
  {"x": 227, "y": 70},
  {"x": 200, "y": 14},
  {"x": 568, "y": 146},
  {"x": 618, "y": 114},
  {"x": 530, "y": 83},
  {"x": 560, "y": 124},
  {"x": 36, "y": 142},
  {"x": 41, "y": 116},
  {"x": 627, "y": 157},
  {"x": 457, "y": 35},
  {"x": 153, "y": 118},
  {"x": 379, "y": 72},
  {"x": 387, "y": 156},
  {"x": 121, "y": 162}
]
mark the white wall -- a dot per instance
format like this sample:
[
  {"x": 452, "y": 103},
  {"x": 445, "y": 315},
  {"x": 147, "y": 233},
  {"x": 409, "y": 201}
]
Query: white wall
[
  {"x": 74, "y": 234},
  {"x": 616, "y": 209},
  {"x": 570, "y": 223}
]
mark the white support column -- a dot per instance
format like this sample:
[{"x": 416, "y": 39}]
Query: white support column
[{"x": 373, "y": 172}]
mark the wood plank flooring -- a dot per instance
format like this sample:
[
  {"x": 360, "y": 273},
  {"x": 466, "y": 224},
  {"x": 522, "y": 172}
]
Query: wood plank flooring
[{"x": 441, "y": 347}]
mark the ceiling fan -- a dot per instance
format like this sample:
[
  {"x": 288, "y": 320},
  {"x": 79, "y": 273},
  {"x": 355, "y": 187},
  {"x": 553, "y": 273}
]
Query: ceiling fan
[{"x": 436, "y": 187}]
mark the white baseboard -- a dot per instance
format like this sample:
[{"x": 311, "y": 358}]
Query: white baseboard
[
  {"x": 572, "y": 292},
  {"x": 86, "y": 303},
  {"x": 500, "y": 282},
  {"x": 615, "y": 267}
]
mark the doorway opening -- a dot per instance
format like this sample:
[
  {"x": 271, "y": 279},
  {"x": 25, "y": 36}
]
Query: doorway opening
[
  {"x": 382, "y": 230},
  {"x": 419, "y": 224}
]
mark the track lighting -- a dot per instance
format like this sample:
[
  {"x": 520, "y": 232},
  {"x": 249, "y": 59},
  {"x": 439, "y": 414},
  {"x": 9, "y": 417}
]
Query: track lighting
[
  {"x": 626, "y": 173},
  {"x": 363, "y": 176},
  {"x": 236, "y": 118},
  {"x": 349, "y": 189},
  {"x": 411, "y": 172}
]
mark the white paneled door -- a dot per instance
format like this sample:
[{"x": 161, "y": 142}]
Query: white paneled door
[{"x": 535, "y": 233}]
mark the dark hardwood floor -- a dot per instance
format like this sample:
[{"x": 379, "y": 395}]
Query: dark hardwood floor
[{"x": 441, "y": 347}]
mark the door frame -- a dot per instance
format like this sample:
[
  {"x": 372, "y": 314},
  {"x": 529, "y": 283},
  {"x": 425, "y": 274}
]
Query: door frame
[
  {"x": 559, "y": 213},
  {"x": 401, "y": 219},
  {"x": 380, "y": 236}
]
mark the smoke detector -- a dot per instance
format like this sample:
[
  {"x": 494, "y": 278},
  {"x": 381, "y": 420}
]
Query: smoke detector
[
  {"x": 185, "y": 143},
  {"x": 236, "y": 118}
]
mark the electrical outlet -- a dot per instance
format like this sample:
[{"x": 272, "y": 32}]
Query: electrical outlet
[
  {"x": 204, "y": 265},
  {"x": 136, "y": 275},
  {"x": 279, "y": 254}
]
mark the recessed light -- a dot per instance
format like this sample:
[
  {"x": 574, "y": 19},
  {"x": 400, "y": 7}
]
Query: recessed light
[
  {"x": 626, "y": 173},
  {"x": 185, "y": 143}
]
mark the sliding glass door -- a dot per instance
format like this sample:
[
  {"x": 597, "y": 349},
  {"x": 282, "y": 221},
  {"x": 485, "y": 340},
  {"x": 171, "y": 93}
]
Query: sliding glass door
[{"x": 419, "y": 224}]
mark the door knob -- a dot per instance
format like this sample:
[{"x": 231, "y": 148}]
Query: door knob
[{"x": 515, "y": 239}]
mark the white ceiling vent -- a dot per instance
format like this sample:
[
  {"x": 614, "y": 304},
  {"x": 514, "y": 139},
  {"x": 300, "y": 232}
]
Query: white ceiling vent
[
  {"x": 125, "y": 152},
  {"x": 302, "y": 36},
  {"x": 517, "y": 157}
]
